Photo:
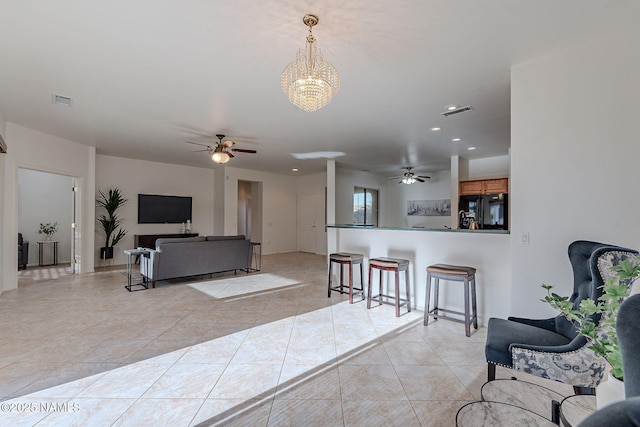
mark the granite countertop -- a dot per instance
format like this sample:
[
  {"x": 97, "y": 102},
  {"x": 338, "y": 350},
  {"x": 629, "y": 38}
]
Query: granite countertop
[{"x": 446, "y": 230}]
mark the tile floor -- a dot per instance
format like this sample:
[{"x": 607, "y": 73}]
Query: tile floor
[{"x": 264, "y": 349}]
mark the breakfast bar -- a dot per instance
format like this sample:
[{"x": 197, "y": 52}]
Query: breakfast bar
[{"x": 486, "y": 250}]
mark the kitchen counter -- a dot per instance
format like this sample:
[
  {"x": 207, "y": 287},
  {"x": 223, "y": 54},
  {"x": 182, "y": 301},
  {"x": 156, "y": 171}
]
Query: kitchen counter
[
  {"x": 446, "y": 230},
  {"x": 489, "y": 251}
]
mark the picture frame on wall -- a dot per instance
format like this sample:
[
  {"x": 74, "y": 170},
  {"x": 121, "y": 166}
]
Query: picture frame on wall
[{"x": 440, "y": 207}]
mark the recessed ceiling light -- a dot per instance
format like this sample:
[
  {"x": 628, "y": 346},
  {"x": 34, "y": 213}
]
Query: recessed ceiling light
[
  {"x": 457, "y": 139},
  {"x": 452, "y": 107},
  {"x": 471, "y": 148},
  {"x": 436, "y": 129},
  {"x": 294, "y": 170}
]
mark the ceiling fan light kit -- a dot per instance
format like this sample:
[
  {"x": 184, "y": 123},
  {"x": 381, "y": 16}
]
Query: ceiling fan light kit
[
  {"x": 309, "y": 81},
  {"x": 409, "y": 177},
  {"x": 221, "y": 154}
]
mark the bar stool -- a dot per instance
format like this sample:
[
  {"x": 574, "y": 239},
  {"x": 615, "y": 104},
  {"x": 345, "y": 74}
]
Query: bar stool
[
  {"x": 396, "y": 265},
  {"x": 454, "y": 273},
  {"x": 346, "y": 258}
]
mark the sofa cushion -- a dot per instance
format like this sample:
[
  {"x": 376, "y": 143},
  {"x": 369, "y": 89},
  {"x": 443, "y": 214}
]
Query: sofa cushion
[
  {"x": 238, "y": 237},
  {"x": 178, "y": 240}
]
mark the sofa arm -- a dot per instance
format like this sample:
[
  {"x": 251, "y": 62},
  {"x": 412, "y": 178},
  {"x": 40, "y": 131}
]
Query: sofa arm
[{"x": 149, "y": 264}]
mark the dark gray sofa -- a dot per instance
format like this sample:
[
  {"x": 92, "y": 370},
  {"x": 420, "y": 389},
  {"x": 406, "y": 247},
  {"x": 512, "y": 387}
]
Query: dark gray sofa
[{"x": 191, "y": 256}]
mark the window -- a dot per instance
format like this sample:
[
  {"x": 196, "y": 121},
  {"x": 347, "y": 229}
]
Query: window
[{"x": 365, "y": 206}]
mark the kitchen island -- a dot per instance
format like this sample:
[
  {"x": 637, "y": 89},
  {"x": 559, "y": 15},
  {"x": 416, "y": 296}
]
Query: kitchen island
[{"x": 486, "y": 250}]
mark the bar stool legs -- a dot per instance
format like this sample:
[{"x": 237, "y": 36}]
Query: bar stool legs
[
  {"x": 454, "y": 273},
  {"x": 396, "y": 266},
  {"x": 346, "y": 259}
]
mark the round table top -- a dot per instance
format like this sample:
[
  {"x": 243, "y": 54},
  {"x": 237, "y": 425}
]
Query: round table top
[
  {"x": 575, "y": 409},
  {"x": 497, "y": 414},
  {"x": 523, "y": 394}
]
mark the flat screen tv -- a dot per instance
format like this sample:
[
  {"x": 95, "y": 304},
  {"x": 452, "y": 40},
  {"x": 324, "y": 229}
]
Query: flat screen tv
[{"x": 157, "y": 209}]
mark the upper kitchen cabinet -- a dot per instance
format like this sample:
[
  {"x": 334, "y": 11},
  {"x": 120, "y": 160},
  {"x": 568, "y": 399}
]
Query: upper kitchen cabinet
[{"x": 484, "y": 186}]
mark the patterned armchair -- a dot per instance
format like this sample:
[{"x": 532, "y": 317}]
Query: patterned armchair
[
  {"x": 23, "y": 252},
  {"x": 551, "y": 348}
]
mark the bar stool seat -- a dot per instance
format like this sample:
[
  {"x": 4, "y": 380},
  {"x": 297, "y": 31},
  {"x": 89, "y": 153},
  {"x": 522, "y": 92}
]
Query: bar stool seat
[
  {"x": 453, "y": 273},
  {"x": 395, "y": 265},
  {"x": 346, "y": 259}
]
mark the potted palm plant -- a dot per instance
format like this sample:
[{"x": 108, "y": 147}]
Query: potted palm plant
[
  {"x": 602, "y": 337},
  {"x": 110, "y": 222}
]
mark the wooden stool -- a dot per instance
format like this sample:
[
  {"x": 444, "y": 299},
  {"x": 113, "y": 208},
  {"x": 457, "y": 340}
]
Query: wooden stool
[
  {"x": 395, "y": 265},
  {"x": 346, "y": 258},
  {"x": 454, "y": 273}
]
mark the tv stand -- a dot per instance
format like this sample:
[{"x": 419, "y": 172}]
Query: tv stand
[{"x": 149, "y": 240}]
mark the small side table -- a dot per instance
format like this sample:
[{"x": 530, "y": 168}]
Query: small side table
[
  {"x": 145, "y": 254},
  {"x": 53, "y": 244},
  {"x": 256, "y": 257}
]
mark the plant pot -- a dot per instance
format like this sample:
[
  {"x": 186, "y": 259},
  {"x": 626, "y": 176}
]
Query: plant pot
[
  {"x": 106, "y": 253},
  {"x": 609, "y": 391}
]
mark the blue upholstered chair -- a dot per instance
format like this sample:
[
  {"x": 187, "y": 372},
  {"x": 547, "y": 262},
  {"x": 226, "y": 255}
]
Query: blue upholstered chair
[
  {"x": 551, "y": 348},
  {"x": 627, "y": 412}
]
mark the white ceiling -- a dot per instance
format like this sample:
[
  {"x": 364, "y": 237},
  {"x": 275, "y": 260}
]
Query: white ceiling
[{"x": 146, "y": 76}]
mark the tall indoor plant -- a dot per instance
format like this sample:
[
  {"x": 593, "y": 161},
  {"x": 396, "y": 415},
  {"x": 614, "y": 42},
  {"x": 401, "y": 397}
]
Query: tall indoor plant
[
  {"x": 110, "y": 222},
  {"x": 603, "y": 337}
]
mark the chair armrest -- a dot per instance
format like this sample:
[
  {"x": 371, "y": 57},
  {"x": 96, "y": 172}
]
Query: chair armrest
[
  {"x": 548, "y": 324},
  {"x": 578, "y": 342}
]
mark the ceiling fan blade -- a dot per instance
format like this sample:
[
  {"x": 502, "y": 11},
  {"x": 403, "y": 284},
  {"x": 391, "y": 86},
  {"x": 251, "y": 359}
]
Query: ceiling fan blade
[
  {"x": 423, "y": 176},
  {"x": 197, "y": 143},
  {"x": 230, "y": 155},
  {"x": 198, "y": 151},
  {"x": 243, "y": 150},
  {"x": 419, "y": 179}
]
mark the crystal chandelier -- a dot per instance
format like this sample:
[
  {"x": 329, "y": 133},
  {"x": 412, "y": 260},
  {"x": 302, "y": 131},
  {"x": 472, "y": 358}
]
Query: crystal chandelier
[{"x": 309, "y": 81}]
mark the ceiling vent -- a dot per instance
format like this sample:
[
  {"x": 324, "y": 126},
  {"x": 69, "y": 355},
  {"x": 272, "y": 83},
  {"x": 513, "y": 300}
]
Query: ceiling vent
[
  {"x": 3, "y": 145},
  {"x": 457, "y": 111},
  {"x": 62, "y": 100}
]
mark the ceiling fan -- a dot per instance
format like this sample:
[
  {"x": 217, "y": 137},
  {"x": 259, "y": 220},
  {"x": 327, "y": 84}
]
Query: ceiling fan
[
  {"x": 409, "y": 177},
  {"x": 221, "y": 152}
]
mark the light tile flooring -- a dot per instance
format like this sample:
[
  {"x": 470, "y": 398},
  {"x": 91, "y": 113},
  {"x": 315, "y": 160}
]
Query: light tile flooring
[{"x": 264, "y": 349}]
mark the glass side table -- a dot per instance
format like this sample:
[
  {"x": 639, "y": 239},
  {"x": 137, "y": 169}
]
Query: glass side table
[
  {"x": 50, "y": 252},
  {"x": 144, "y": 255}
]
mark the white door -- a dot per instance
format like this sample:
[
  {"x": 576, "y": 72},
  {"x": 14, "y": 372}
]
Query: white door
[{"x": 307, "y": 222}]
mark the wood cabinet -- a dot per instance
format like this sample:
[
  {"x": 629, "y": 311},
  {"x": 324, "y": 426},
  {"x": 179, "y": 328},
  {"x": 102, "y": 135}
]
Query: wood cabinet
[{"x": 484, "y": 186}]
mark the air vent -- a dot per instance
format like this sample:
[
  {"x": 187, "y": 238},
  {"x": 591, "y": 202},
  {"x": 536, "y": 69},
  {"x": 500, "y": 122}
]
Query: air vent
[
  {"x": 457, "y": 111},
  {"x": 62, "y": 100}
]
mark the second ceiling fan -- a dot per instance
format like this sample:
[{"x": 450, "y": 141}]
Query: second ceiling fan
[
  {"x": 222, "y": 152},
  {"x": 409, "y": 177}
]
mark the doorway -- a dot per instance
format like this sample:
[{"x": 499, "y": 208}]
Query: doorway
[
  {"x": 249, "y": 221},
  {"x": 47, "y": 199},
  {"x": 308, "y": 211}
]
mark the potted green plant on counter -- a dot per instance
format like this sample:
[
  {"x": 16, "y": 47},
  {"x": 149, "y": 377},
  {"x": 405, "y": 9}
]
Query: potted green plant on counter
[
  {"x": 602, "y": 337},
  {"x": 110, "y": 222},
  {"x": 48, "y": 229}
]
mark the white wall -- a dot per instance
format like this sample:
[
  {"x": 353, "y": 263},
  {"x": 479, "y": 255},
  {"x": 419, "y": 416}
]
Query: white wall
[
  {"x": 491, "y": 167},
  {"x": 395, "y": 205},
  {"x": 346, "y": 180},
  {"x": 279, "y": 207},
  {"x": 574, "y": 160},
  {"x": 135, "y": 177},
  {"x": 45, "y": 198},
  {"x": 2, "y": 186},
  {"x": 35, "y": 150}
]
